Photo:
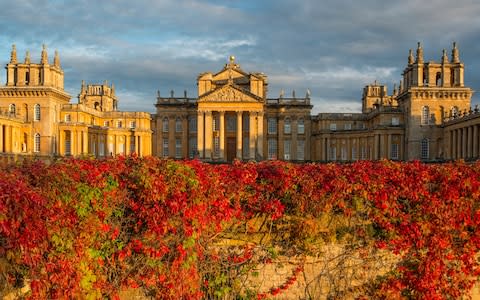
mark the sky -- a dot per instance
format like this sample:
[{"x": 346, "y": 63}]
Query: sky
[{"x": 332, "y": 47}]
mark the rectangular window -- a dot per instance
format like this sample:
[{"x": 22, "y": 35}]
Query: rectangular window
[
  {"x": 272, "y": 125},
  {"x": 363, "y": 153},
  {"x": 165, "y": 124},
  {"x": 425, "y": 149},
  {"x": 287, "y": 145},
  {"x": 287, "y": 126},
  {"x": 333, "y": 126},
  {"x": 106, "y": 124},
  {"x": 178, "y": 125},
  {"x": 343, "y": 153},
  {"x": 119, "y": 124},
  {"x": 192, "y": 124},
  {"x": 133, "y": 125},
  {"x": 394, "y": 151},
  {"x": 165, "y": 148},
  {"x": 246, "y": 123},
  {"x": 231, "y": 123},
  {"x": 301, "y": 126},
  {"x": 300, "y": 150},
  {"x": 272, "y": 148},
  {"x": 192, "y": 147},
  {"x": 178, "y": 148},
  {"x": 132, "y": 144},
  {"x": 354, "y": 152},
  {"x": 333, "y": 153},
  {"x": 68, "y": 118},
  {"x": 101, "y": 149},
  {"x": 348, "y": 126},
  {"x": 395, "y": 121},
  {"x": 216, "y": 146}
]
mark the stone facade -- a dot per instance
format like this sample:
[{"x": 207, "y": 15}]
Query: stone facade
[
  {"x": 234, "y": 118},
  {"x": 37, "y": 119}
]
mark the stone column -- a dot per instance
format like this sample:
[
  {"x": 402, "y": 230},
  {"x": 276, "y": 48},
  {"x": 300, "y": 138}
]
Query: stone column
[
  {"x": 208, "y": 135},
  {"x": 85, "y": 142},
  {"x": 326, "y": 152},
  {"x": 260, "y": 135},
  {"x": 376, "y": 145},
  {"x": 469, "y": 142},
  {"x": 475, "y": 141},
  {"x": 73, "y": 142},
  {"x": 252, "y": 133},
  {"x": 389, "y": 147},
  {"x": 1, "y": 139},
  {"x": 239, "y": 134},
  {"x": 221, "y": 127},
  {"x": 200, "y": 135},
  {"x": 464, "y": 142}
]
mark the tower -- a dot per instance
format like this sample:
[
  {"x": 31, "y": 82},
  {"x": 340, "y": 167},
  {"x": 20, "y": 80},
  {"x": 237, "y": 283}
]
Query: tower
[
  {"x": 100, "y": 97},
  {"x": 429, "y": 92}
]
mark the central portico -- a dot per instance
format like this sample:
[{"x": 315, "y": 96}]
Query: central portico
[
  {"x": 230, "y": 115},
  {"x": 232, "y": 119}
]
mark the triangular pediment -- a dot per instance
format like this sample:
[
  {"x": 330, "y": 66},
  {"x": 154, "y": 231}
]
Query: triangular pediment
[
  {"x": 229, "y": 93},
  {"x": 228, "y": 73}
]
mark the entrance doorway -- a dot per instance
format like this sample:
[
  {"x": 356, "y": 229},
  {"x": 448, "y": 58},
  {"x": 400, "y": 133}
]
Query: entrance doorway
[{"x": 231, "y": 148}]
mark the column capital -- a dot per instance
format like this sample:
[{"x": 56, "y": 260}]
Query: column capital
[
  {"x": 208, "y": 113},
  {"x": 221, "y": 112}
]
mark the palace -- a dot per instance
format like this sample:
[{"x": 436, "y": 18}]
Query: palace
[
  {"x": 428, "y": 117},
  {"x": 37, "y": 119}
]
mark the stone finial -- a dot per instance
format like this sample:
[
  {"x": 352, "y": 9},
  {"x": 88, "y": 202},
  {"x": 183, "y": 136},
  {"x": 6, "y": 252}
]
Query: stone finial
[
  {"x": 44, "y": 58},
  {"x": 158, "y": 93},
  {"x": 293, "y": 94},
  {"x": 419, "y": 59},
  {"x": 27, "y": 57},
  {"x": 444, "y": 57},
  {"x": 411, "y": 60},
  {"x": 13, "y": 55},
  {"x": 308, "y": 94},
  {"x": 171, "y": 93},
  {"x": 394, "y": 89},
  {"x": 83, "y": 87},
  {"x": 113, "y": 88},
  {"x": 56, "y": 60},
  {"x": 185, "y": 94},
  {"x": 455, "y": 54},
  {"x": 282, "y": 93}
]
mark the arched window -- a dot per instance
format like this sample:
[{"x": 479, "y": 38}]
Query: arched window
[
  {"x": 12, "y": 109},
  {"x": 36, "y": 143},
  {"x": 438, "y": 79},
  {"x": 287, "y": 127},
  {"x": 301, "y": 126},
  {"x": 178, "y": 125},
  {"x": 36, "y": 112},
  {"x": 425, "y": 115},
  {"x": 165, "y": 124},
  {"x": 192, "y": 123},
  {"x": 425, "y": 149}
]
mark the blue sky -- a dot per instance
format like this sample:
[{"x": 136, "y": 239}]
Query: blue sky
[{"x": 333, "y": 48}]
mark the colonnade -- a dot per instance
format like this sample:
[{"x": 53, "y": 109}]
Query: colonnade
[
  {"x": 207, "y": 134},
  {"x": 464, "y": 142}
]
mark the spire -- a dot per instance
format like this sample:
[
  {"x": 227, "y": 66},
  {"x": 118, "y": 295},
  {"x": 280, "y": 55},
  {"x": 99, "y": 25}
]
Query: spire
[
  {"x": 13, "y": 55},
  {"x": 419, "y": 54},
  {"x": 44, "y": 59},
  {"x": 444, "y": 57},
  {"x": 83, "y": 87},
  {"x": 411, "y": 60},
  {"x": 56, "y": 60},
  {"x": 27, "y": 57},
  {"x": 113, "y": 89},
  {"x": 455, "y": 55}
]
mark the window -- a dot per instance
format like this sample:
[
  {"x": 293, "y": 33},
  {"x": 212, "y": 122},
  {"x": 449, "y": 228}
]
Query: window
[
  {"x": 231, "y": 123},
  {"x": 68, "y": 118},
  {"x": 425, "y": 149},
  {"x": 12, "y": 109},
  {"x": 354, "y": 152},
  {"x": 106, "y": 123},
  {"x": 425, "y": 115},
  {"x": 178, "y": 148},
  {"x": 287, "y": 145},
  {"x": 165, "y": 147},
  {"x": 287, "y": 126},
  {"x": 133, "y": 124},
  {"x": 165, "y": 124},
  {"x": 132, "y": 144},
  {"x": 68, "y": 143},
  {"x": 192, "y": 124},
  {"x": 394, "y": 151},
  {"x": 301, "y": 126},
  {"x": 395, "y": 121},
  {"x": 300, "y": 150},
  {"x": 36, "y": 143},
  {"x": 101, "y": 148},
  {"x": 36, "y": 112},
  {"x": 272, "y": 125},
  {"x": 192, "y": 147},
  {"x": 333, "y": 153},
  {"x": 119, "y": 124},
  {"x": 333, "y": 126},
  {"x": 347, "y": 126},
  {"x": 343, "y": 153},
  {"x": 272, "y": 148},
  {"x": 216, "y": 146},
  {"x": 246, "y": 123},
  {"x": 178, "y": 125},
  {"x": 215, "y": 122},
  {"x": 363, "y": 152}
]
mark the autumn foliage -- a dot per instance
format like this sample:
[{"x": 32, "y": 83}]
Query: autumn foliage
[{"x": 92, "y": 228}]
